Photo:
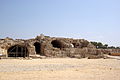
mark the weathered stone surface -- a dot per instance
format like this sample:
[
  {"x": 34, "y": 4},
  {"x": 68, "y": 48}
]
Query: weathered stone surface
[{"x": 54, "y": 47}]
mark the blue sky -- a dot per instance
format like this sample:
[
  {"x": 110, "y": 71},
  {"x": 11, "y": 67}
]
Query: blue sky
[{"x": 94, "y": 20}]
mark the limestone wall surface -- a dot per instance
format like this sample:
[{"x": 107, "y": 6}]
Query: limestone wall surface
[{"x": 56, "y": 47}]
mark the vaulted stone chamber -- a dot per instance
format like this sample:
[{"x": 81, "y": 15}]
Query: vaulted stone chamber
[
  {"x": 17, "y": 51},
  {"x": 37, "y": 47},
  {"x": 50, "y": 47}
]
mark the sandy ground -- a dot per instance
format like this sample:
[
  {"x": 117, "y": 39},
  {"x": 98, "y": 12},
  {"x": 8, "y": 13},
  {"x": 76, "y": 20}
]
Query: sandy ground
[{"x": 60, "y": 69}]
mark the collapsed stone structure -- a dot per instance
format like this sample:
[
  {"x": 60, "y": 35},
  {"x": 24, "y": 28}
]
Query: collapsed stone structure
[{"x": 50, "y": 47}]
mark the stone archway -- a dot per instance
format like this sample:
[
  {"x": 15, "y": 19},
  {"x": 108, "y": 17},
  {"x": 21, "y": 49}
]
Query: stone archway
[
  {"x": 57, "y": 44},
  {"x": 37, "y": 47},
  {"x": 17, "y": 51}
]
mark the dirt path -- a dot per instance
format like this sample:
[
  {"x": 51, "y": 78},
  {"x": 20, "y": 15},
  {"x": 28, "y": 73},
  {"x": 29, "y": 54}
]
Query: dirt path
[{"x": 60, "y": 69}]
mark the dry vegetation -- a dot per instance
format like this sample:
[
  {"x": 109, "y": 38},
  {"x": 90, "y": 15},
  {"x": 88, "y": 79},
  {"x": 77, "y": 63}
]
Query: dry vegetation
[{"x": 60, "y": 69}]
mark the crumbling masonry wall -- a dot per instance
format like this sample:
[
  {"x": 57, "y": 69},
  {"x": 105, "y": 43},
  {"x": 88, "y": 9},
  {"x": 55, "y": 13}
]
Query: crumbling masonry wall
[{"x": 54, "y": 47}]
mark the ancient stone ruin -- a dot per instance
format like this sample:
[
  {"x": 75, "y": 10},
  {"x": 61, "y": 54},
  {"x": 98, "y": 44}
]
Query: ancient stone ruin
[{"x": 50, "y": 47}]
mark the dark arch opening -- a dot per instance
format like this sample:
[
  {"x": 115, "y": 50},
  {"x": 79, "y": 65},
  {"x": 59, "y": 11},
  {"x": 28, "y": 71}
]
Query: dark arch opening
[
  {"x": 56, "y": 44},
  {"x": 37, "y": 47},
  {"x": 17, "y": 51}
]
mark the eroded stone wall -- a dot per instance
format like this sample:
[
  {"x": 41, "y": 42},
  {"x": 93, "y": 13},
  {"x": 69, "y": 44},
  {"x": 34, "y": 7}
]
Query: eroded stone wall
[{"x": 56, "y": 47}]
